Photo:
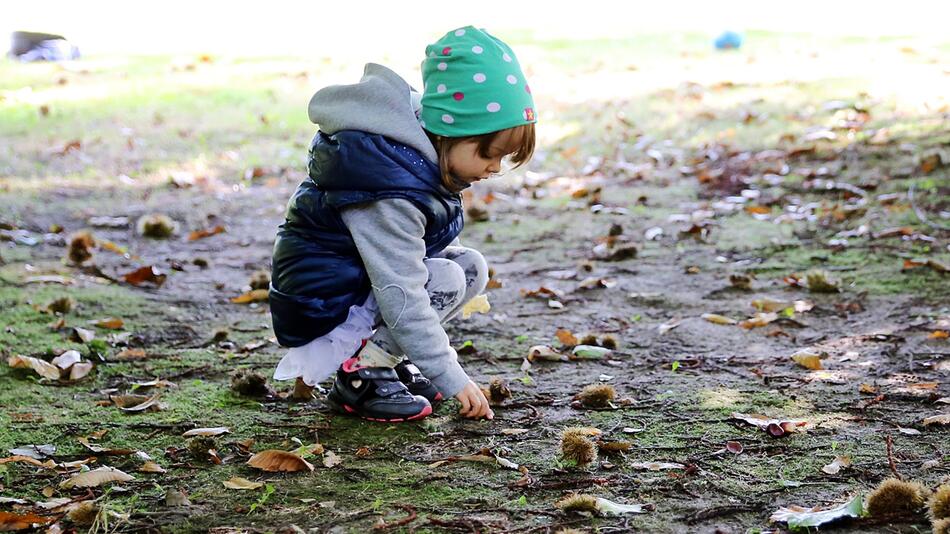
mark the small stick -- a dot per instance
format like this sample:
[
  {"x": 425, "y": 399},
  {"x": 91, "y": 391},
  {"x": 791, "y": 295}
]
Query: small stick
[{"x": 890, "y": 456}]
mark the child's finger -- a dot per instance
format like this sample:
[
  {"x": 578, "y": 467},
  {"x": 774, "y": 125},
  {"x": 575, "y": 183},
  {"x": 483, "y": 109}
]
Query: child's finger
[{"x": 466, "y": 405}]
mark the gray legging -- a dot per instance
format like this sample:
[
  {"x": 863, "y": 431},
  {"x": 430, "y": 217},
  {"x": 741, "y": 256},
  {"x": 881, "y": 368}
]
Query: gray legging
[{"x": 456, "y": 275}]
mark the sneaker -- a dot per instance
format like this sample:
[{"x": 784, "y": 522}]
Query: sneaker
[
  {"x": 417, "y": 383},
  {"x": 375, "y": 394}
]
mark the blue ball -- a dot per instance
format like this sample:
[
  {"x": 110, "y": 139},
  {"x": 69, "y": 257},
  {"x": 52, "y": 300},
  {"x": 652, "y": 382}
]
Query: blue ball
[{"x": 728, "y": 40}]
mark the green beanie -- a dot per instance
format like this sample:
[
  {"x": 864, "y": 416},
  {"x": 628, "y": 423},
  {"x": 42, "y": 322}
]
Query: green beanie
[{"x": 473, "y": 85}]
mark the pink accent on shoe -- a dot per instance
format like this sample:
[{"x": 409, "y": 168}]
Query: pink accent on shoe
[
  {"x": 426, "y": 411},
  {"x": 352, "y": 365},
  {"x": 348, "y": 409},
  {"x": 438, "y": 396}
]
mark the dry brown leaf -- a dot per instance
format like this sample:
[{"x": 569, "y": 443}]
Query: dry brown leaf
[
  {"x": 112, "y": 323},
  {"x": 546, "y": 353},
  {"x": 147, "y": 275},
  {"x": 542, "y": 293},
  {"x": 82, "y": 335},
  {"x": 96, "y": 477},
  {"x": 255, "y": 295},
  {"x": 201, "y": 234},
  {"x": 566, "y": 337},
  {"x": 136, "y": 403},
  {"x": 277, "y": 460},
  {"x": 774, "y": 427},
  {"x": 151, "y": 467},
  {"x": 657, "y": 466},
  {"x": 130, "y": 355},
  {"x": 938, "y": 334},
  {"x": 239, "y": 483},
  {"x": 837, "y": 464},
  {"x": 10, "y": 521},
  {"x": 42, "y": 367}
]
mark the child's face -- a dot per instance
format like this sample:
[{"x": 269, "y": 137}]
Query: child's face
[{"x": 466, "y": 164}]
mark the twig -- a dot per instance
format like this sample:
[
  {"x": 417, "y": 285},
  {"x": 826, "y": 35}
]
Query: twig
[
  {"x": 890, "y": 456},
  {"x": 402, "y": 522}
]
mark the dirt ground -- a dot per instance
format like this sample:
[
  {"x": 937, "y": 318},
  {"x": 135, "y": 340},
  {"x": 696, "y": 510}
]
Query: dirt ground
[{"x": 653, "y": 234}]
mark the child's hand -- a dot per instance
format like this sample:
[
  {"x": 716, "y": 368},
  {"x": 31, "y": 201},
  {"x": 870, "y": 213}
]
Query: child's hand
[{"x": 474, "y": 403}]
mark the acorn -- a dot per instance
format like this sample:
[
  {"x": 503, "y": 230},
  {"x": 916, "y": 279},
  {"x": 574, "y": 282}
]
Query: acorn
[
  {"x": 939, "y": 505},
  {"x": 80, "y": 247},
  {"x": 578, "y": 502},
  {"x": 596, "y": 395},
  {"x": 156, "y": 226},
  {"x": 894, "y": 496}
]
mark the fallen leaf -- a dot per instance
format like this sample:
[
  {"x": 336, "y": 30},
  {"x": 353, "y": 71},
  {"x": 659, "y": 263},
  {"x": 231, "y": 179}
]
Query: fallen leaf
[
  {"x": 112, "y": 323},
  {"x": 594, "y": 282},
  {"x": 151, "y": 467},
  {"x": 758, "y": 320},
  {"x": 201, "y": 234},
  {"x": 176, "y": 498},
  {"x": 542, "y": 293},
  {"x": 276, "y": 460},
  {"x": 136, "y": 403},
  {"x": 546, "y": 353},
  {"x": 215, "y": 431},
  {"x": 80, "y": 370},
  {"x": 669, "y": 325},
  {"x": 943, "y": 419},
  {"x": 148, "y": 275},
  {"x": 718, "y": 319},
  {"x": 67, "y": 359},
  {"x": 42, "y": 367},
  {"x": 939, "y": 334},
  {"x": 255, "y": 295},
  {"x": 774, "y": 427},
  {"x": 34, "y": 451},
  {"x": 96, "y": 477},
  {"x": 82, "y": 335},
  {"x": 797, "y": 517},
  {"x": 609, "y": 507},
  {"x": 808, "y": 359},
  {"x": 10, "y": 521},
  {"x": 566, "y": 337},
  {"x": 331, "y": 459},
  {"x": 514, "y": 431},
  {"x": 130, "y": 355},
  {"x": 837, "y": 464},
  {"x": 478, "y": 304},
  {"x": 657, "y": 466},
  {"x": 239, "y": 483}
]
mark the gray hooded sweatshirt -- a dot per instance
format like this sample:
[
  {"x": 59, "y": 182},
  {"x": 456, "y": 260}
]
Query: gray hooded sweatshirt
[{"x": 389, "y": 233}]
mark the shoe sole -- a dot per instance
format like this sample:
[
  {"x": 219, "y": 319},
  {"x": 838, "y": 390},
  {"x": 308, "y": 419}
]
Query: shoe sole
[{"x": 349, "y": 410}]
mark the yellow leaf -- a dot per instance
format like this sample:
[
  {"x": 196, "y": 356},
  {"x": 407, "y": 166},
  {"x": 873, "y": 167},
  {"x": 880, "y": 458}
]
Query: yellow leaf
[
  {"x": 566, "y": 337},
  {"x": 112, "y": 323},
  {"x": 479, "y": 304},
  {"x": 718, "y": 319},
  {"x": 256, "y": 295},
  {"x": 808, "y": 359}
]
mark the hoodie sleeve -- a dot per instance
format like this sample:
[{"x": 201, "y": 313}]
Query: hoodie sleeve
[{"x": 388, "y": 235}]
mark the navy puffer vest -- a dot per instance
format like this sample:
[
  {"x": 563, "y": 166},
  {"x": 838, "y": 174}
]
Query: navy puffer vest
[{"x": 317, "y": 270}]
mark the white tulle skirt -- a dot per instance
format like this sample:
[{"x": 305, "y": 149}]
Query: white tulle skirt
[{"x": 317, "y": 360}]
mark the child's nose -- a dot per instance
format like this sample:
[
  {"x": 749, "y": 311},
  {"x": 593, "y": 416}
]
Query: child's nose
[{"x": 495, "y": 166}]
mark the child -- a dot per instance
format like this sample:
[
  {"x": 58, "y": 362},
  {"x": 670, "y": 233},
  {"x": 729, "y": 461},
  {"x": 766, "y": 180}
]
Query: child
[{"x": 367, "y": 263}]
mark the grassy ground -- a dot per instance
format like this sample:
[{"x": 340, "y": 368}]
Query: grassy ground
[{"x": 823, "y": 138}]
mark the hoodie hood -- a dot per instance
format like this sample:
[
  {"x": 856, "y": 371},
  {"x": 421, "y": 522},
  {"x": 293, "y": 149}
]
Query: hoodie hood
[{"x": 381, "y": 103}]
